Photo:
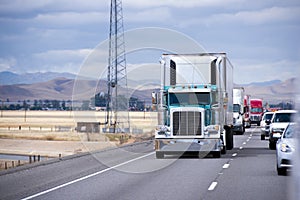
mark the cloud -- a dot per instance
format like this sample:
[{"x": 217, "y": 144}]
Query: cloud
[
  {"x": 148, "y": 15},
  {"x": 178, "y": 3},
  {"x": 21, "y": 7},
  {"x": 67, "y": 19},
  {"x": 63, "y": 54},
  {"x": 59, "y": 60},
  {"x": 247, "y": 71},
  {"x": 14, "y": 6},
  {"x": 271, "y": 15},
  {"x": 7, "y": 63},
  {"x": 143, "y": 71}
]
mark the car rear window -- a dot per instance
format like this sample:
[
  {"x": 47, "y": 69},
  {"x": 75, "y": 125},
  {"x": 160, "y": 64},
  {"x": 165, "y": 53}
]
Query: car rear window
[{"x": 283, "y": 117}]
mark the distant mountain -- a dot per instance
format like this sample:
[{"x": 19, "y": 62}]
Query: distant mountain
[
  {"x": 64, "y": 88},
  {"x": 265, "y": 83},
  {"x": 273, "y": 93},
  {"x": 10, "y": 78}
]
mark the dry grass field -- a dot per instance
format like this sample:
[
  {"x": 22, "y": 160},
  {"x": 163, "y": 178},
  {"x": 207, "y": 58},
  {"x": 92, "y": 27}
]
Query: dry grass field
[
  {"x": 50, "y": 133},
  {"x": 61, "y": 125}
]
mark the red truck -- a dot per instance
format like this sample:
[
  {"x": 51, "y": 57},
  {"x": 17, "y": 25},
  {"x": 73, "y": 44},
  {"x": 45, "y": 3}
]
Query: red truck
[{"x": 256, "y": 111}]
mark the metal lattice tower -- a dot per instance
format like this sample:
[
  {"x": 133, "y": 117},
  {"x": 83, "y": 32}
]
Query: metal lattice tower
[{"x": 117, "y": 106}]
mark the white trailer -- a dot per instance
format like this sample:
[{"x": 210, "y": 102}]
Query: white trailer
[{"x": 238, "y": 110}]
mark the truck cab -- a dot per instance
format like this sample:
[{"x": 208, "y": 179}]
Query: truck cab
[
  {"x": 256, "y": 111},
  {"x": 194, "y": 105}
]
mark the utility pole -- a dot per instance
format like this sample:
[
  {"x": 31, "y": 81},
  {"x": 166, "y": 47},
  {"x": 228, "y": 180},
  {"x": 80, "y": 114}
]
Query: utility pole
[{"x": 116, "y": 72}]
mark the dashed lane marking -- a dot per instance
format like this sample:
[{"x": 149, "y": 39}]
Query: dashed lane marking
[
  {"x": 234, "y": 155},
  {"x": 226, "y": 166},
  {"x": 213, "y": 186}
]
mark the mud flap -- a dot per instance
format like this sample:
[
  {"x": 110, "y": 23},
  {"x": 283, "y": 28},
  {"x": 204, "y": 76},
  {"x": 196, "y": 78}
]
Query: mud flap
[{"x": 229, "y": 137}]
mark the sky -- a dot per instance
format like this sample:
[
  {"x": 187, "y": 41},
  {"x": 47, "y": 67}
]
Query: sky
[{"x": 261, "y": 38}]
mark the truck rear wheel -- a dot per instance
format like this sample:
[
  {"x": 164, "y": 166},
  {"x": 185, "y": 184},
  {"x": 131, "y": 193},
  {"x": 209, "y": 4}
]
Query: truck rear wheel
[
  {"x": 229, "y": 138},
  {"x": 223, "y": 151},
  {"x": 216, "y": 154}
]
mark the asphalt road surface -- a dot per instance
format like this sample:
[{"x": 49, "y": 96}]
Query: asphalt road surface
[{"x": 246, "y": 172}]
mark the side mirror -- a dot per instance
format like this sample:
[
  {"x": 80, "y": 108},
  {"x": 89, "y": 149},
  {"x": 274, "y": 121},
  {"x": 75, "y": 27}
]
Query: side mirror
[
  {"x": 215, "y": 106},
  {"x": 154, "y": 98},
  {"x": 268, "y": 122}
]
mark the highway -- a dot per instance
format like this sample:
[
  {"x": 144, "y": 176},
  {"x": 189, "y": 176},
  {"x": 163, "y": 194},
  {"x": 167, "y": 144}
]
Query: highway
[{"x": 132, "y": 172}]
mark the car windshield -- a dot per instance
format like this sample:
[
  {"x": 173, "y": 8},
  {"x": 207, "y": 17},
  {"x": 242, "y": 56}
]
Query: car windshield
[
  {"x": 236, "y": 108},
  {"x": 283, "y": 117},
  {"x": 289, "y": 132},
  {"x": 268, "y": 116},
  {"x": 256, "y": 110},
  {"x": 197, "y": 98}
]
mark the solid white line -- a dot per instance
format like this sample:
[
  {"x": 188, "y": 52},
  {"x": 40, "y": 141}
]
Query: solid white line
[
  {"x": 226, "y": 166},
  {"x": 212, "y": 186},
  {"x": 86, "y": 177}
]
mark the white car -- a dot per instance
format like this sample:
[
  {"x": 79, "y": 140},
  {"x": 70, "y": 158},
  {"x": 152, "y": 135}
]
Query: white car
[
  {"x": 279, "y": 122},
  {"x": 285, "y": 149},
  {"x": 265, "y": 124}
]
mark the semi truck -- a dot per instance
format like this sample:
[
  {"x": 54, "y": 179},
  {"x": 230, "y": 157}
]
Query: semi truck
[
  {"x": 256, "y": 111},
  {"x": 238, "y": 110},
  {"x": 247, "y": 121},
  {"x": 194, "y": 105}
]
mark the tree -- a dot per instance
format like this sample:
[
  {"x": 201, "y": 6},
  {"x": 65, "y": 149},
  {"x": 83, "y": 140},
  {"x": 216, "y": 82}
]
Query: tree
[
  {"x": 25, "y": 105},
  {"x": 100, "y": 100},
  {"x": 85, "y": 105},
  {"x": 63, "y": 105},
  {"x": 55, "y": 104}
]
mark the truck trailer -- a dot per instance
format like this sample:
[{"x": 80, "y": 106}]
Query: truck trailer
[
  {"x": 194, "y": 105},
  {"x": 238, "y": 110}
]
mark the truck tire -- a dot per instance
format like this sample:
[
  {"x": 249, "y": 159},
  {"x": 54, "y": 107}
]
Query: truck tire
[
  {"x": 262, "y": 137},
  {"x": 216, "y": 154},
  {"x": 272, "y": 145},
  {"x": 229, "y": 138},
  {"x": 159, "y": 155},
  {"x": 243, "y": 128},
  {"x": 223, "y": 151},
  {"x": 281, "y": 171},
  {"x": 258, "y": 123}
]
